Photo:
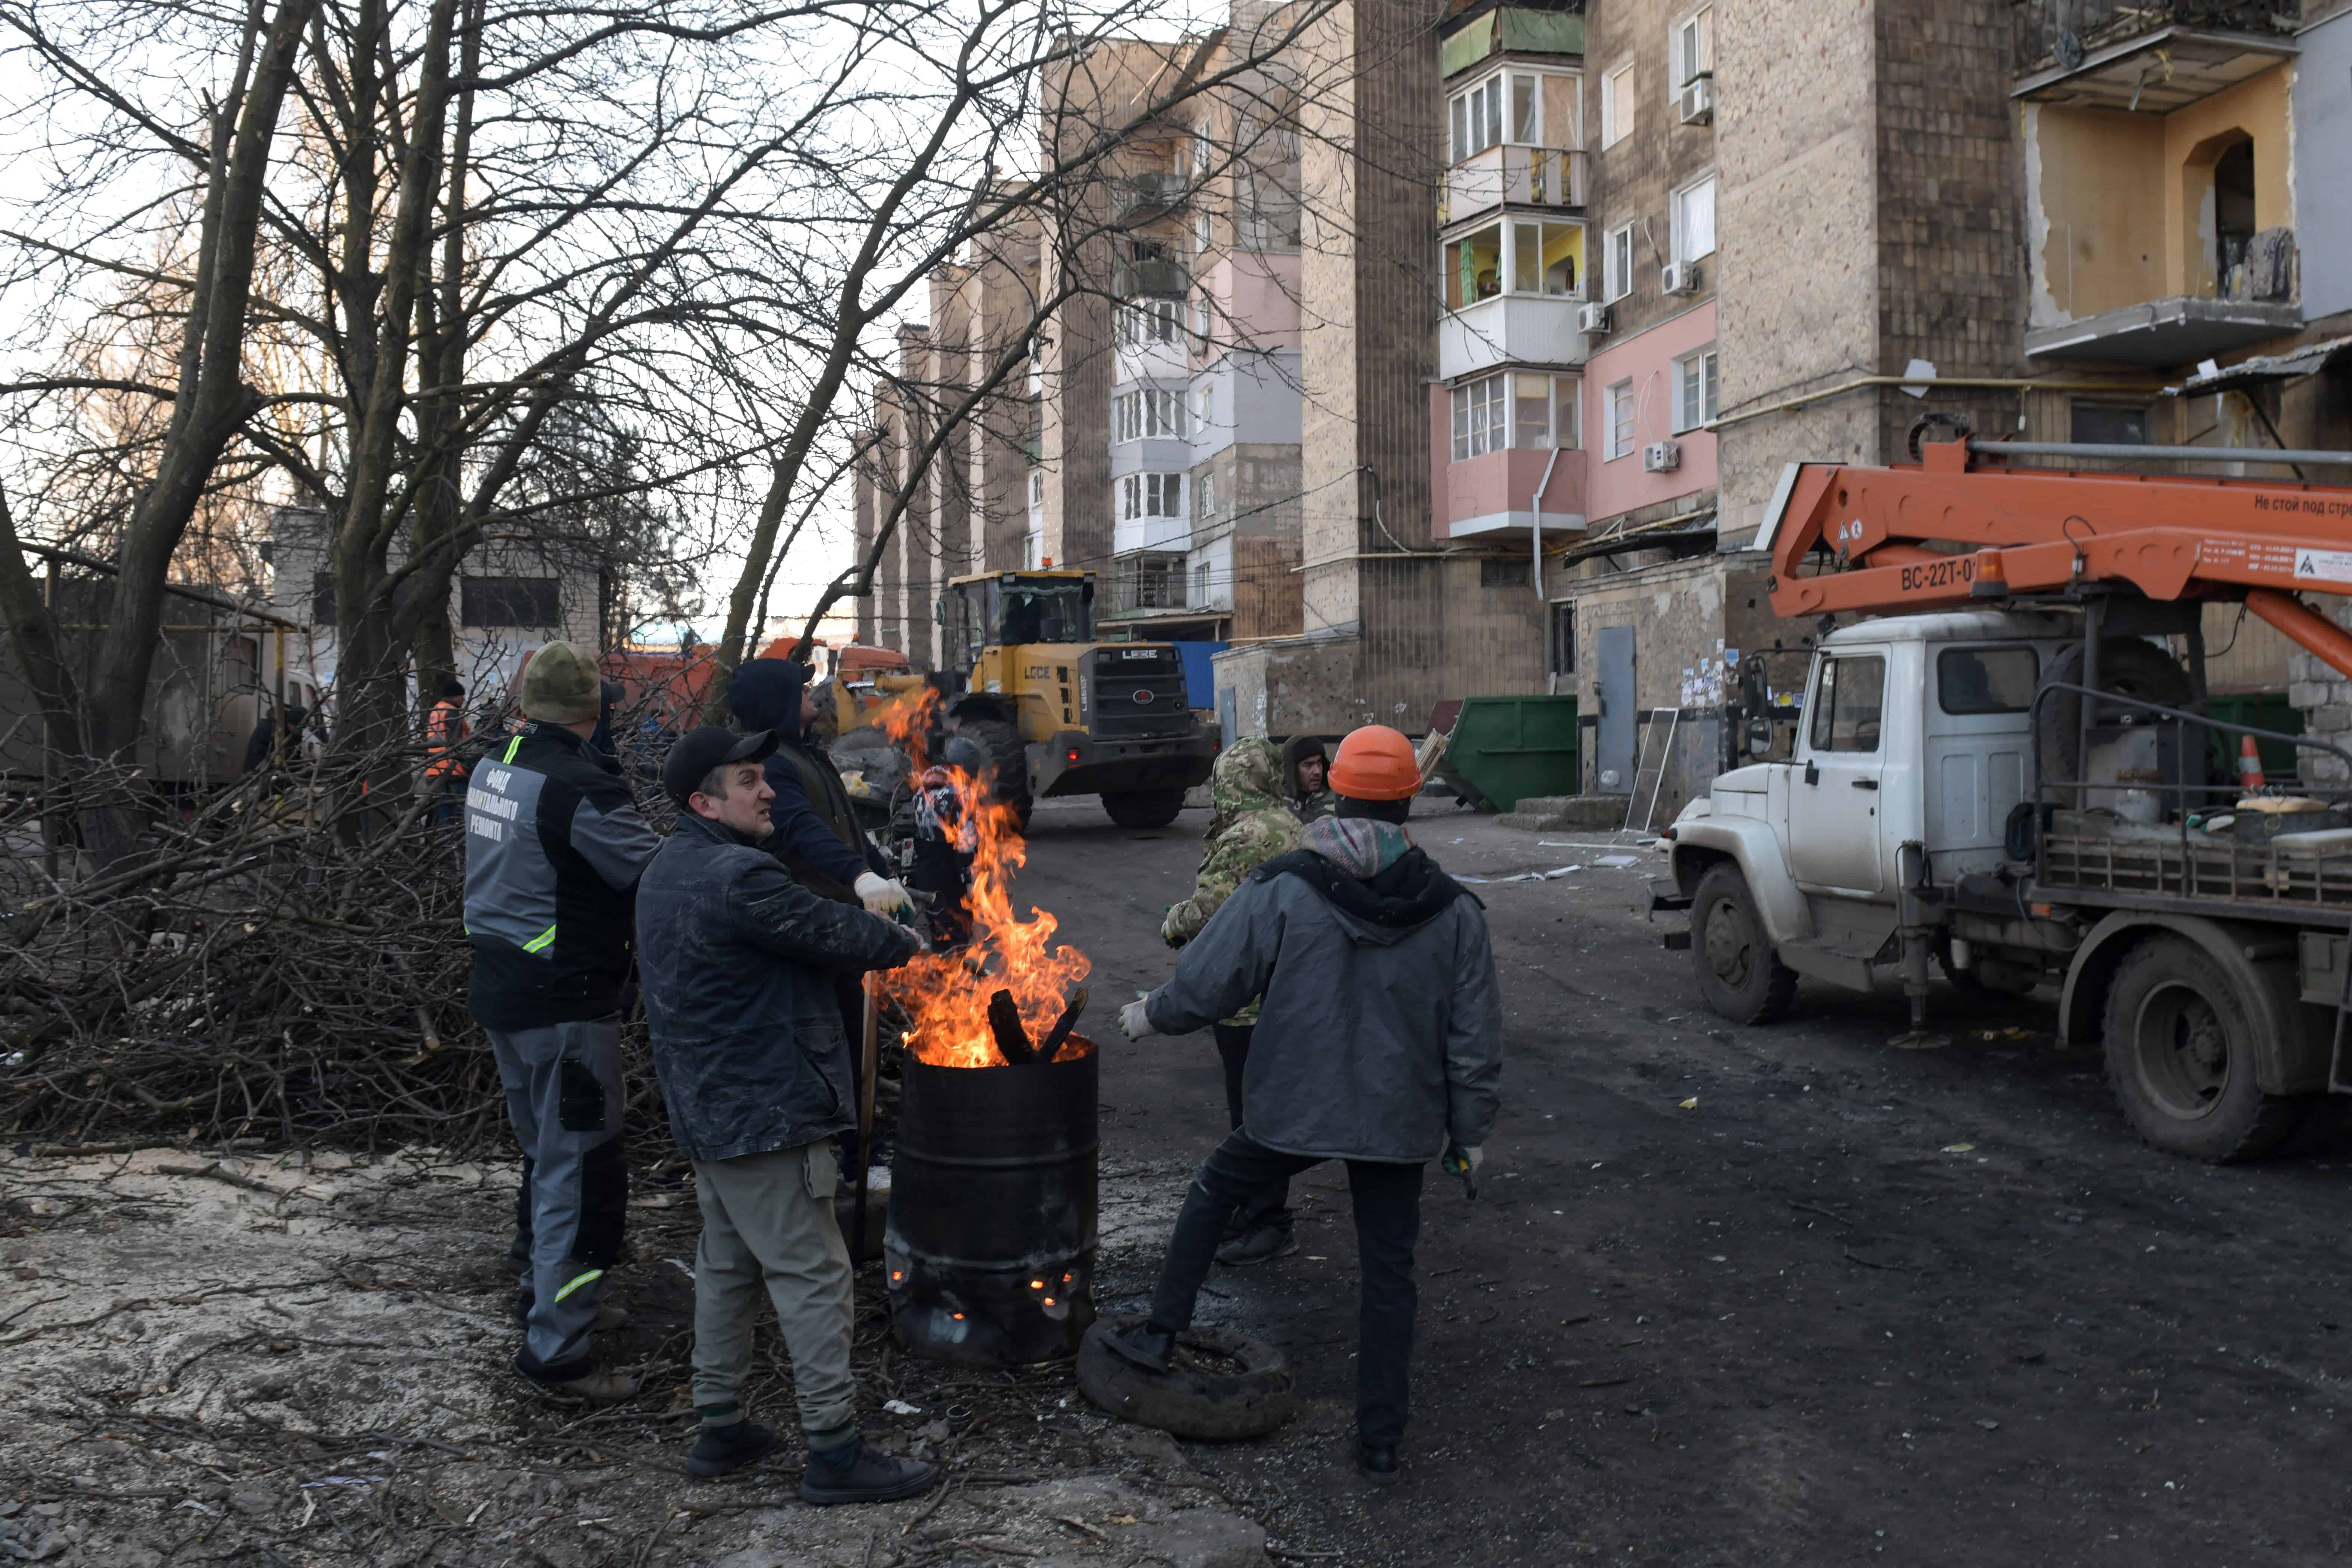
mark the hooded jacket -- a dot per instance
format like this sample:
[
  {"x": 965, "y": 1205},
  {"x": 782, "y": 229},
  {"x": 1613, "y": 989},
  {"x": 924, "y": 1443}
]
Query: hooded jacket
[
  {"x": 1247, "y": 827},
  {"x": 1380, "y": 1033},
  {"x": 737, "y": 961},
  {"x": 817, "y": 836},
  {"x": 1305, "y": 805}
]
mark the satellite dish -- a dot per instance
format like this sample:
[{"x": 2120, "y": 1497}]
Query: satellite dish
[{"x": 2070, "y": 49}]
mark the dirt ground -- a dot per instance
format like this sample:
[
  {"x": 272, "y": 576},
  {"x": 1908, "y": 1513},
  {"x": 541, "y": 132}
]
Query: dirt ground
[{"x": 1727, "y": 1296}]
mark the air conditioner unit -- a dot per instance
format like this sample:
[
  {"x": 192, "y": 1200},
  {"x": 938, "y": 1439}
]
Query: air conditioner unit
[
  {"x": 1662, "y": 456},
  {"x": 1592, "y": 318},
  {"x": 1678, "y": 277},
  {"x": 1696, "y": 100}
]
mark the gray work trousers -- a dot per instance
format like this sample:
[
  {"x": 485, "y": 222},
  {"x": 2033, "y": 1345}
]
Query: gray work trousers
[
  {"x": 564, "y": 1096},
  {"x": 771, "y": 1215}
]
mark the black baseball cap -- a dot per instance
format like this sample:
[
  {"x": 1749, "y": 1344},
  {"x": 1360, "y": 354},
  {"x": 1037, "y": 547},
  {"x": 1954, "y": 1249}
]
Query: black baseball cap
[{"x": 712, "y": 746}]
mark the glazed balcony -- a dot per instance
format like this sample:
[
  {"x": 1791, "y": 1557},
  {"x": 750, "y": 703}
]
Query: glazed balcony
[{"x": 1513, "y": 176}]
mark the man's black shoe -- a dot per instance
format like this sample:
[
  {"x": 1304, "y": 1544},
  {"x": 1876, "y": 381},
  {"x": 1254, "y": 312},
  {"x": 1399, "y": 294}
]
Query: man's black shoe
[
  {"x": 1141, "y": 1344},
  {"x": 855, "y": 1473},
  {"x": 1263, "y": 1245},
  {"x": 1378, "y": 1466},
  {"x": 722, "y": 1451}
]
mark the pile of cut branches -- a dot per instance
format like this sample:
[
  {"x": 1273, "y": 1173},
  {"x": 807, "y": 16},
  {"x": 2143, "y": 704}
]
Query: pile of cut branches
[{"x": 283, "y": 958}]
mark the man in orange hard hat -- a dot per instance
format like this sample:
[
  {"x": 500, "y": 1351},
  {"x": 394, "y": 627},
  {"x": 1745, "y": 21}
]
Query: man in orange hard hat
[{"x": 1379, "y": 1042}]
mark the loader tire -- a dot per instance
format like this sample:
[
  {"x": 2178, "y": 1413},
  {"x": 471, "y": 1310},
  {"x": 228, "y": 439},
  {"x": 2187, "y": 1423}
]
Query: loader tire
[
  {"x": 2180, "y": 1047},
  {"x": 1144, "y": 807},
  {"x": 1190, "y": 1401},
  {"x": 1008, "y": 761},
  {"x": 1740, "y": 975}
]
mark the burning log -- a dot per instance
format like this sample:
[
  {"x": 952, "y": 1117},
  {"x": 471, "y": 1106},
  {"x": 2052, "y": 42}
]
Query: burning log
[
  {"x": 1004, "y": 1024},
  {"x": 1062, "y": 1026}
]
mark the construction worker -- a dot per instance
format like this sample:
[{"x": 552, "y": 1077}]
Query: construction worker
[
  {"x": 737, "y": 961},
  {"x": 445, "y": 771},
  {"x": 1304, "y": 766},
  {"x": 1379, "y": 1042},
  {"x": 817, "y": 836},
  {"x": 268, "y": 747},
  {"x": 1247, "y": 826},
  {"x": 554, "y": 846}
]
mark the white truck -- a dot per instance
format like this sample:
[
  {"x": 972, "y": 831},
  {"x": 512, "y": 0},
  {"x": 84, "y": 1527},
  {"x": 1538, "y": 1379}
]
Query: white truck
[{"x": 1933, "y": 808}]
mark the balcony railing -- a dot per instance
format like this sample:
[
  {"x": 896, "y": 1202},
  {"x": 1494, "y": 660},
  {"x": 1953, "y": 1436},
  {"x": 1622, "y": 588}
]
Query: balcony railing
[
  {"x": 1513, "y": 174},
  {"x": 1145, "y": 195},
  {"x": 1153, "y": 280},
  {"x": 2147, "y": 56}
]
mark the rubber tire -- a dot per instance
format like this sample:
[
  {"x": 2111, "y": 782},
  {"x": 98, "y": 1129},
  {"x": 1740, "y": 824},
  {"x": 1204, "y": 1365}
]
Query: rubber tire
[
  {"x": 1212, "y": 1406},
  {"x": 1144, "y": 807},
  {"x": 1764, "y": 990},
  {"x": 1008, "y": 760},
  {"x": 2240, "y": 1121},
  {"x": 2128, "y": 666}
]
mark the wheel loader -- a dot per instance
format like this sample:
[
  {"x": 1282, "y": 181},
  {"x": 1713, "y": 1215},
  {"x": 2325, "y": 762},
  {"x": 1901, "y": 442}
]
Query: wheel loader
[{"x": 1057, "y": 711}]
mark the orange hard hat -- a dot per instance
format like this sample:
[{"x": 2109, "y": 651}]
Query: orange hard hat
[{"x": 1374, "y": 762}]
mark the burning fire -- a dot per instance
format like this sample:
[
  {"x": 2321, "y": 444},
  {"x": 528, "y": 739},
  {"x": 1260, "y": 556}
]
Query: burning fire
[{"x": 946, "y": 994}]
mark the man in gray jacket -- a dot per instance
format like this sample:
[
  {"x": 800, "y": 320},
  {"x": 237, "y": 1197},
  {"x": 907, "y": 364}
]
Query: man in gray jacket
[
  {"x": 737, "y": 961},
  {"x": 1379, "y": 1043}
]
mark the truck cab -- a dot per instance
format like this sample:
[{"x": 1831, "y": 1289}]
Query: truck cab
[{"x": 1914, "y": 743}]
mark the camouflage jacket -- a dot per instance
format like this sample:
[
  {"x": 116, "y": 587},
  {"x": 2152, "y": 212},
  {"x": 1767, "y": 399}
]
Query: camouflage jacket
[
  {"x": 1322, "y": 803},
  {"x": 1248, "y": 825}
]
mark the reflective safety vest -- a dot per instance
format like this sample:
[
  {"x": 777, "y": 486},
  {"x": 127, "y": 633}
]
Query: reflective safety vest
[{"x": 444, "y": 729}]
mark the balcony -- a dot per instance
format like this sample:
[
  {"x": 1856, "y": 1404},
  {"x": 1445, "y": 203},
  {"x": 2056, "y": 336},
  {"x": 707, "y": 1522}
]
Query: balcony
[
  {"x": 1513, "y": 176},
  {"x": 2146, "y": 57},
  {"x": 1138, "y": 198},
  {"x": 1509, "y": 329},
  {"x": 1159, "y": 278},
  {"x": 1145, "y": 582}
]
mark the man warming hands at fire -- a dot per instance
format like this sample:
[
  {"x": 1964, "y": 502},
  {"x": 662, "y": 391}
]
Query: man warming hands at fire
[
  {"x": 1379, "y": 1042},
  {"x": 738, "y": 962}
]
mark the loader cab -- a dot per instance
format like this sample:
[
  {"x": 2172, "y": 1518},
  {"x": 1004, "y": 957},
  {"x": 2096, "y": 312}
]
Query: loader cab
[{"x": 1014, "y": 609}]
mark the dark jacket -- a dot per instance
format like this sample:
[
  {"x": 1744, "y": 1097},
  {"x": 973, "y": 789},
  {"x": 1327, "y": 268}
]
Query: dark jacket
[
  {"x": 1381, "y": 1035},
  {"x": 817, "y": 835},
  {"x": 738, "y": 962},
  {"x": 554, "y": 845}
]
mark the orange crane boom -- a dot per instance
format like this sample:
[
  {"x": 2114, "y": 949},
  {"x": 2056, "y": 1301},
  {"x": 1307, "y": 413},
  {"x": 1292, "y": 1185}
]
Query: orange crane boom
[{"x": 1952, "y": 532}]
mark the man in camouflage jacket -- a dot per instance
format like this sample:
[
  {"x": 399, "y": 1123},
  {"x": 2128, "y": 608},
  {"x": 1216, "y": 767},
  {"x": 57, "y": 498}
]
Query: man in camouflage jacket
[{"x": 1248, "y": 827}]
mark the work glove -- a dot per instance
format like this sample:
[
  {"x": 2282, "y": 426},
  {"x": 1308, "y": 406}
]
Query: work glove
[
  {"x": 1135, "y": 1020},
  {"x": 1462, "y": 1162},
  {"x": 879, "y": 895}
]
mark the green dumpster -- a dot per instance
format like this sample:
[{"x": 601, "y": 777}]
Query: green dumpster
[
  {"x": 1506, "y": 748},
  {"x": 2258, "y": 710}
]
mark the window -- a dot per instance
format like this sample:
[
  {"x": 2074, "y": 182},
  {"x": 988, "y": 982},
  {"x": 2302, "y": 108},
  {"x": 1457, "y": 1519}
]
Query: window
[
  {"x": 510, "y": 602},
  {"x": 1504, "y": 572},
  {"x": 1037, "y": 490},
  {"x": 1846, "y": 704},
  {"x": 1620, "y": 256},
  {"x": 1150, "y": 414},
  {"x": 1202, "y": 154},
  {"x": 1693, "y": 217},
  {"x": 1149, "y": 322},
  {"x": 1204, "y": 233},
  {"x": 1621, "y": 420},
  {"x": 2109, "y": 424},
  {"x": 1030, "y": 545},
  {"x": 1692, "y": 48},
  {"x": 1201, "y": 583},
  {"x": 1474, "y": 266},
  {"x": 1207, "y": 494},
  {"x": 1547, "y": 258},
  {"x": 1150, "y": 495},
  {"x": 1203, "y": 317},
  {"x": 1479, "y": 417},
  {"x": 1477, "y": 118},
  {"x": 323, "y": 598},
  {"x": 1543, "y": 411},
  {"x": 1694, "y": 389},
  {"x": 1563, "y": 638},
  {"x": 1986, "y": 680},
  {"x": 1202, "y": 403},
  {"x": 1617, "y": 105}
]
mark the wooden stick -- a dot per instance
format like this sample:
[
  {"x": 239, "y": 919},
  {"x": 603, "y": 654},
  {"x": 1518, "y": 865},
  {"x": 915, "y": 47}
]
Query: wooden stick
[
  {"x": 867, "y": 1054},
  {"x": 1063, "y": 1024},
  {"x": 1004, "y": 1023}
]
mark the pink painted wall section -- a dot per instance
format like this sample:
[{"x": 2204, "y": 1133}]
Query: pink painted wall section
[
  {"x": 1498, "y": 483},
  {"x": 1619, "y": 485},
  {"x": 1257, "y": 297}
]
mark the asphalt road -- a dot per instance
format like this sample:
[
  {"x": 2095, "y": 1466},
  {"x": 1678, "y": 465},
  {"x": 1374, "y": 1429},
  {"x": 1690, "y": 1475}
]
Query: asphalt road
[{"x": 1771, "y": 1295}]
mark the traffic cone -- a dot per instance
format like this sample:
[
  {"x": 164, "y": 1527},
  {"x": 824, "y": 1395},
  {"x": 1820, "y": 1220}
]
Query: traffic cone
[{"x": 2250, "y": 764}]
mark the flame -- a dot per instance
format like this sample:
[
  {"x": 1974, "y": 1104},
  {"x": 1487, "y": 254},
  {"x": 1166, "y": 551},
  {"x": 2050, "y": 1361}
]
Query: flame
[
  {"x": 908, "y": 724},
  {"x": 946, "y": 994}
]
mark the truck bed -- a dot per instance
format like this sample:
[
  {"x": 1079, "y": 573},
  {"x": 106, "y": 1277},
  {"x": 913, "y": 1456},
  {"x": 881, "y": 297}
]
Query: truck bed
[{"x": 2113, "y": 860}]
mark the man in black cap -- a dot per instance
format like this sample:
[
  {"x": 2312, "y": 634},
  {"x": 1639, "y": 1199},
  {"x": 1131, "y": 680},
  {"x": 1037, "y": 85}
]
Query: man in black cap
[{"x": 738, "y": 962}]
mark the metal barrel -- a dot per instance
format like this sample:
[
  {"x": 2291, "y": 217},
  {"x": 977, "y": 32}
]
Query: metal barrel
[{"x": 991, "y": 1244}]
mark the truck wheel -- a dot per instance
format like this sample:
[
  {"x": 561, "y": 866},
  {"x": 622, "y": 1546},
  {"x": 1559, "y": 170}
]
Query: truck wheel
[
  {"x": 1144, "y": 807},
  {"x": 2180, "y": 1044},
  {"x": 1008, "y": 761},
  {"x": 1739, "y": 974},
  {"x": 2128, "y": 666}
]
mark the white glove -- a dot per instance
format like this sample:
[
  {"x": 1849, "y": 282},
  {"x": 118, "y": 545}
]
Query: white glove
[
  {"x": 1135, "y": 1020},
  {"x": 1464, "y": 1159},
  {"x": 879, "y": 895}
]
